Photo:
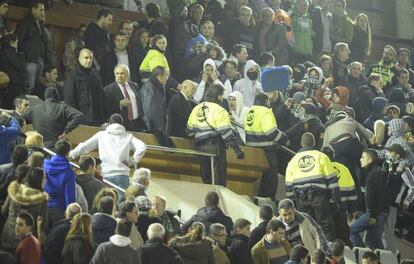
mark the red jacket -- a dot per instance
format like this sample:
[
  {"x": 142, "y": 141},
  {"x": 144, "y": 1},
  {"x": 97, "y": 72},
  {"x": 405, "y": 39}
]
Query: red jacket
[{"x": 28, "y": 251}]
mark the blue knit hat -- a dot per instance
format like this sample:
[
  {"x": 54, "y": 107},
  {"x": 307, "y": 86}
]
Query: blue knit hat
[
  {"x": 275, "y": 78},
  {"x": 189, "y": 50}
]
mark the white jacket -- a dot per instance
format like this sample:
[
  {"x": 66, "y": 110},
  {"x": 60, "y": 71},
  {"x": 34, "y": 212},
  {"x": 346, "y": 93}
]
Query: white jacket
[
  {"x": 239, "y": 115},
  {"x": 113, "y": 145},
  {"x": 247, "y": 87}
]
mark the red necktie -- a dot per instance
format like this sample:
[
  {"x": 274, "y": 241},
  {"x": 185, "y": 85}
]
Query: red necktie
[{"x": 126, "y": 94}]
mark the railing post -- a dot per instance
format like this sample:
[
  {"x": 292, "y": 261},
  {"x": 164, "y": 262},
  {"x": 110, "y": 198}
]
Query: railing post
[{"x": 213, "y": 173}]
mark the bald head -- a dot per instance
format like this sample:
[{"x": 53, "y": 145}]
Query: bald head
[
  {"x": 72, "y": 210},
  {"x": 156, "y": 231},
  {"x": 188, "y": 88},
  {"x": 85, "y": 58}
]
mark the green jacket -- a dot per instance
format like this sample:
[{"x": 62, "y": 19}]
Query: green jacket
[{"x": 302, "y": 32}]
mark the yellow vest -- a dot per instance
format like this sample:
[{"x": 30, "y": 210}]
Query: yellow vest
[
  {"x": 310, "y": 168},
  {"x": 153, "y": 59},
  {"x": 261, "y": 127},
  {"x": 208, "y": 120},
  {"x": 346, "y": 183}
]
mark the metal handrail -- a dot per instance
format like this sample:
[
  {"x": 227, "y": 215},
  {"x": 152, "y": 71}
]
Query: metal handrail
[{"x": 181, "y": 151}]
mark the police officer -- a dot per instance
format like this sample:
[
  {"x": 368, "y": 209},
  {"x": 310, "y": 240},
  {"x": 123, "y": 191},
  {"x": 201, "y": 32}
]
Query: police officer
[
  {"x": 311, "y": 181},
  {"x": 210, "y": 125},
  {"x": 261, "y": 131}
]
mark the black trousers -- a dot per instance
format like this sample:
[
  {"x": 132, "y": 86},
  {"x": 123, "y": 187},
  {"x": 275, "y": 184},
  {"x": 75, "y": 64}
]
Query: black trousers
[
  {"x": 136, "y": 125},
  {"x": 217, "y": 146},
  {"x": 319, "y": 208},
  {"x": 269, "y": 180},
  {"x": 342, "y": 227}
]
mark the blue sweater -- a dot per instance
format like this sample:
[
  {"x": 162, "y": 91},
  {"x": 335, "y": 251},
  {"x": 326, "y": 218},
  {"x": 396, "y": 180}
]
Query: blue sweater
[
  {"x": 7, "y": 134},
  {"x": 60, "y": 182}
]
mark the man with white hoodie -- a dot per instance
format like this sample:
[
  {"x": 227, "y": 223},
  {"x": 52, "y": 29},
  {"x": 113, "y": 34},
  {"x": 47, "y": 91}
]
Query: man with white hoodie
[
  {"x": 118, "y": 249},
  {"x": 114, "y": 146},
  {"x": 250, "y": 85},
  {"x": 209, "y": 76},
  {"x": 238, "y": 113}
]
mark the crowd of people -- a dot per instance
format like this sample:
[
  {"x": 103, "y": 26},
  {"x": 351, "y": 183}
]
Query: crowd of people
[{"x": 289, "y": 77}]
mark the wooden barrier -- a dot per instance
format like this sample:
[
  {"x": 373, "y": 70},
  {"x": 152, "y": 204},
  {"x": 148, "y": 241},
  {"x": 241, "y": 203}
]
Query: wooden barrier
[{"x": 242, "y": 173}]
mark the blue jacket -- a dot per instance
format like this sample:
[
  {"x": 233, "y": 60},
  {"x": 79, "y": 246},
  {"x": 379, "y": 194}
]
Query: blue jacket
[
  {"x": 378, "y": 105},
  {"x": 7, "y": 134},
  {"x": 60, "y": 182}
]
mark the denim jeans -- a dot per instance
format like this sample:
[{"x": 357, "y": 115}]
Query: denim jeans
[
  {"x": 374, "y": 232},
  {"x": 34, "y": 72},
  {"x": 120, "y": 181}
]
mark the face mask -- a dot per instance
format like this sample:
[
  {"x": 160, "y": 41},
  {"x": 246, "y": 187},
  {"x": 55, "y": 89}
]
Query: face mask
[
  {"x": 313, "y": 81},
  {"x": 253, "y": 75}
]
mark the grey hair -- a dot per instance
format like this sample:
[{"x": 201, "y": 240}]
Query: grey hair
[
  {"x": 156, "y": 231},
  {"x": 216, "y": 228},
  {"x": 123, "y": 66},
  {"x": 338, "y": 47},
  {"x": 141, "y": 175},
  {"x": 286, "y": 204}
]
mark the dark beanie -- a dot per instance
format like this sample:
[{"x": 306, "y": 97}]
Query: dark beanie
[{"x": 261, "y": 99}]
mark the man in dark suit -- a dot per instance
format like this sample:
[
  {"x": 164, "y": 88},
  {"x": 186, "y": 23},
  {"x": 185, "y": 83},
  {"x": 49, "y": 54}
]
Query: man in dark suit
[
  {"x": 123, "y": 97},
  {"x": 119, "y": 55},
  {"x": 21, "y": 105},
  {"x": 179, "y": 109}
]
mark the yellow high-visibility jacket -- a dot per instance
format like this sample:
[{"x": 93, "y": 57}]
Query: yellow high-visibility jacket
[
  {"x": 261, "y": 128},
  {"x": 208, "y": 120},
  {"x": 346, "y": 183},
  {"x": 311, "y": 168},
  {"x": 153, "y": 59}
]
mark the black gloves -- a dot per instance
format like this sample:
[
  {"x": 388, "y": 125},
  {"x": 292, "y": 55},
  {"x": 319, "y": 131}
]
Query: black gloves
[{"x": 239, "y": 152}]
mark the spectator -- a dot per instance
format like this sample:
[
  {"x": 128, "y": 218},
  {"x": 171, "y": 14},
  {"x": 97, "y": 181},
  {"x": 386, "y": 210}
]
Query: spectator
[
  {"x": 139, "y": 183},
  {"x": 9, "y": 130},
  {"x": 341, "y": 55},
  {"x": 141, "y": 37},
  {"x": 230, "y": 74},
  {"x": 127, "y": 27},
  {"x": 179, "y": 109},
  {"x": 272, "y": 248},
  {"x": 33, "y": 142},
  {"x": 240, "y": 54},
  {"x": 267, "y": 60},
  {"x": 238, "y": 113},
  {"x": 318, "y": 257},
  {"x": 4, "y": 7},
  {"x": 103, "y": 222},
  {"x": 49, "y": 79},
  {"x": 272, "y": 37},
  {"x": 25, "y": 196},
  {"x": 376, "y": 201},
  {"x": 403, "y": 61},
  {"x": 265, "y": 214},
  {"x": 207, "y": 29},
  {"x": 213, "y": 11},
  {"x": 210, "y": 214},
  {"x": 239, "y": 251},
  {"x": 337, "y": 252},
  {"x": 196, "y": 14},
  {"x": 353, "y": 81},
  {"x": 366, "y": 95},
  {"x": 111, "y": 192},
  {"x": 56, "y": 236},
  {"x": 123, "y": 97},
  {"x": 78, "y": 246},
  {"x": 298, "y": 254},
  {"x": 60, "y": 182},
  {"x": 370, "y": 258},
  {"x": 241, "y": 31},
  {"x": 219, "y": 236},
  {"x": 209, "y": 77},
  {"x": 21, "y": 106},
  {"x": 386, "y": 67},
  {"x": 28, "y": 250},
  {"x": 145, "y": 219},
  {"x": 129, "y": 211},
  {"x": 12, "y": 62},
  {"x": 302, "y": 30},
  {"x": 168, "y": 219},
  {"x": 119, "y": 55},
  {"x": 52, "y": 119},
  {"x": 323, "y": 28},
  {"x": 379, "y": 108},
  {"x": 403, "y": 85},
  {"x": 193, "y": 247},
  {"x": 97, "y": 37},
  {"x": 155, "y": 251},
  {"x": 283, "y": 18},
  {"x": 154, "y": 23},
  {"x": 361, "y": 41},
  {"x": 83, "y": 90},
  {"x": 342, "y": 24},
  {"x": 154, "y": 99},
  {"x": 313, "y": 185},
  {"x": 325, "y": 63},
  {"x": 86, "y": 179},
  {"x": 114, "y": 146},
  {"x": 155, "y": 57},
  {"x": 300, "y": 227},
  {"x": 118, "y": 249},
  {"x": 32, "y": 36},
  {"x": 250, "y": 85},
  {"x": 72, "y": 48}
]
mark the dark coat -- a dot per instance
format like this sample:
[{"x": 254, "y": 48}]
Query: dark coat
[
  {"x": 366, "y": 95},
  {"x": 154, "y": 104},
  {"x": 156, "y": 252},
  {"x": 257, "y": 234},
  {"x": 317, "y": 27},
  {"x": 6, "y": 177},
  {"x": 209, "y": 216},
  {"x": 144, "y": 221},
  {"x": 339, "y": 71},
  {"x": 12, "y": 63},
  {"x": 51, "y": 119},
  {"x": 90, "y": 187},
  {"x": 238, "y": 33},
  {"x": 199, "y": 252},
  {"x": 239, "y": 251},
  {"x": 179, "y": 109},
  {"x": 376, "y": 195},
  {"x": 359, "y": 44},
  {"x": 33, "y": 40},
  {"x": 353, "y": 85},
  {"x": 156, "y": 27},
  {"x": 110, "y": 60},
  {"x": 84, "y": 91},
  {"x": 275, "y": 42},
  {"x": 55, "y": 240},
  {"x": 77, "y": 251},
  {"x": 103, "y": 227},
  {"x": 97, "y": 40},
  {"x": 213, "y": 11}
]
